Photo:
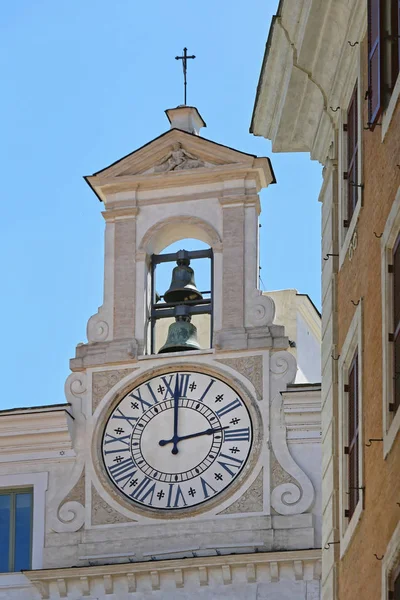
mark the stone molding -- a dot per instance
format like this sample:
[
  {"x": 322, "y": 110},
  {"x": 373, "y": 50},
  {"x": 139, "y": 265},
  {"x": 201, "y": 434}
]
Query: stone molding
[
  {"x": 69, "y": 516},
  {"x": 154, "y": 239},
  {"x": 296, "y": 89},
  {"x": 158, "y": 575},
  {"x": 136, "y": 171},
  {"x": 287, "y": 498},
  {"x": 42, "y": 431}
]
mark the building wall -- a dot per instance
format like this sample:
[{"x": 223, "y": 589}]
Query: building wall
[
  {"x": 314, "y": 77},
  {"x": 358, "y": 279}
]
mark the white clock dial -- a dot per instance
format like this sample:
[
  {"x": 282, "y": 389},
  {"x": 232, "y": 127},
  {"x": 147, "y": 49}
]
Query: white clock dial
[{"x": 177, "y": 440}]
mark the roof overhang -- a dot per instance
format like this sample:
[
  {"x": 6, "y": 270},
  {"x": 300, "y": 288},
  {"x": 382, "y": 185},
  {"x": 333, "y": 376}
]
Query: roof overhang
[{"x": 303, "y": 73}]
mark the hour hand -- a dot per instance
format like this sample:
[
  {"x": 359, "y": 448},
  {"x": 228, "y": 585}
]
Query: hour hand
[{"x": 208, "y": 431}]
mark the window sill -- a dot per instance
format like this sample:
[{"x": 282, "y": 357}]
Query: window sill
[
  {"x": 388, "y": 114},
  {"x": 351, "y": 527},
  {"x": 349, "y": 234}
]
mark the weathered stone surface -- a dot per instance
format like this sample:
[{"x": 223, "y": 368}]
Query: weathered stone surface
[
  {"x": 103, "y": 513},
  {"x": 77, "y": 494},
  {"x": 278, "y": 474},
  {"x": 250, "y": 367},
  {"x": 103, "y": 381},
  {"x": 251, "y": 501}
]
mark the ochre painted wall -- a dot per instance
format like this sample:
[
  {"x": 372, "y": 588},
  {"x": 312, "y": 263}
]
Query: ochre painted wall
[{"x": 359, "y": 570}]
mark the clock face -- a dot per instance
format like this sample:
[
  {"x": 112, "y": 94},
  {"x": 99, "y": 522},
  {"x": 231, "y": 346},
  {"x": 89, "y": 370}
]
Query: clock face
[{"x": 177, "y": 440}]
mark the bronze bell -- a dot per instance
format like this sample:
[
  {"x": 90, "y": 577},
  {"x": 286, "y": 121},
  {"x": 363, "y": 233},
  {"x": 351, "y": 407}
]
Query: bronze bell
[
  {"x": 182, "y": 286},
  {"x": 182, "y": 335}
]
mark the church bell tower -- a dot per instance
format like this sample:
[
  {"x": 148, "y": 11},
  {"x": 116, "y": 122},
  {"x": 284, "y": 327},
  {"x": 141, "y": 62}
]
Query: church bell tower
[{"x": 183, "y": 479}]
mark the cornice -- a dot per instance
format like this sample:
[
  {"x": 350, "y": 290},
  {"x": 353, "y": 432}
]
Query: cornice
[
  {"x": 298, "y": 84},
  {"x": 106, "y": 185},
  {"x": 250, "y": 568},
  {"x": 41, "y": 432}
]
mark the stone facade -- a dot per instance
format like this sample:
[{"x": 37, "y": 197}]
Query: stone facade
[{"x": 260, "y": 537}]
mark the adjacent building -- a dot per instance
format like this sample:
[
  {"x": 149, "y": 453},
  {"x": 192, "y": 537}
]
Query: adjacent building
[
  {"x": 184, "y": 464},
  {"x": 329, "y": 85}
]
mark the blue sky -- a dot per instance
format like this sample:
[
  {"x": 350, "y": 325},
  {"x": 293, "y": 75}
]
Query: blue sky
[{"x": 83, "y": 84}]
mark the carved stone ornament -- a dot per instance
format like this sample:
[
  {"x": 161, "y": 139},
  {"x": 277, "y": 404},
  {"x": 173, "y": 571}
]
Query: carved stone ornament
[
  {"x": 251, "y": 501},
  {"x": 177, "y": 160},
  {"x": 103, "y": 513},
  {"x": 250, "y": 367},
  {"x": 287, "y": 498},
  {"x": 66, "y": 495},
  {"x": 260, "y": 310},
  {"x": 97, "y": 328},
  {"x": 103, "y": 381}
]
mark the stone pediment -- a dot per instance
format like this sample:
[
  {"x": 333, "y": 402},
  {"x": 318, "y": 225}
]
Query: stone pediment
[{"x": 170, "y": 157}]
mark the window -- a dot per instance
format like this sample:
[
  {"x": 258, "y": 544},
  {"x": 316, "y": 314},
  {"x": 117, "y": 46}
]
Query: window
[
  {"x": 391, "y": 568},
  {"x": 352, "y": 450},
  {"x": 383, "y": 54},
  {"x": 15, "y": 530},
  {"x": 394, "y": 593},
  {"x": 396, "y": 325},
  {"x": 390, "y": 269},
  {"x": 350, "y": 431},
  {"x": 351, "y": 174}
]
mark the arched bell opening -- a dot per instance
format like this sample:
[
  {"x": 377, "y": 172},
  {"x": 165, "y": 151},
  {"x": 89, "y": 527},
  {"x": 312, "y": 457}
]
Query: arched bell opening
[{"x": 181, "y": 304}]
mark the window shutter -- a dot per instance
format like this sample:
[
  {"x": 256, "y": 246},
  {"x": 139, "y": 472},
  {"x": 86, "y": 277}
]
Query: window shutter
[
  {"x": 396, "y": 323},
  {"x": 395, "y": 42},
  {"x": 374, "y": 60},
  {"x": 353, "y": 428},
  {"x": 398, "y": 34},
  {"x": 352, "y": 154},
  {"x": 396, "y": 588}
]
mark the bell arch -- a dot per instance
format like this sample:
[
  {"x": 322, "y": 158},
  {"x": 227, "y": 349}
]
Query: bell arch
[{"x": 170, "y": 230}]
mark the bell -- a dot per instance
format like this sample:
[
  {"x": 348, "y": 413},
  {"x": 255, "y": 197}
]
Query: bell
[
  {"x": 182, "y": 335},
  {"x": 182, "y": 286}
]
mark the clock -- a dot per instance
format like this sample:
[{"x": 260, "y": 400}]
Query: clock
[{"x": 177, "y": 440}]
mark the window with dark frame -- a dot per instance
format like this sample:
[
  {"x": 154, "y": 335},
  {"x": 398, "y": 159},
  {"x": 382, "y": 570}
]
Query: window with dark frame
[
  {"x": 352, "y": 156},
  {"x": 383, "y": 54},
  {"x": 394, "y": 593},
  {"x": 352, "y": 450},
  {"x": 396, "y": 324},
  {"x": 15, "y": 530}
]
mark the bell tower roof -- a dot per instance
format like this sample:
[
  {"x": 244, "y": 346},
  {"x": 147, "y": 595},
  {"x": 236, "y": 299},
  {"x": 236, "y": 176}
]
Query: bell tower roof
[{"x": 185, "y": 118}]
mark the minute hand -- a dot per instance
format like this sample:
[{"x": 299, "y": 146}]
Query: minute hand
[{"x": 209, "y": 431}]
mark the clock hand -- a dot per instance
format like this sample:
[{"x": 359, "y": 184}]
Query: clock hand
[
  {"x": 175, "y": 438},
  {"x": 209, "y": 431}
]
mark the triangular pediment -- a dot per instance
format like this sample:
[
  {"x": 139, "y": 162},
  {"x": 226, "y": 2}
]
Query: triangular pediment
[
  {"x": 175, "y": 155},
  {"x": 173, "y": 151}
]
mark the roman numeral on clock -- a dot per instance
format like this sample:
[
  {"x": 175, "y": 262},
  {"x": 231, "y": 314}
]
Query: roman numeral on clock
[
  {"x": 138, "y": 396},
  {"x": 120, "y": 415},
  {"x": 175, "y": 496},
  {"x": 123, "y": 471},
  {"x": 237, "y": 435},
  {"x": 109, "y": 439},
  {"x": 235, "y": 463},
  {"x": 231, "y": 406},
  {"x": 143, "y": 491},
  {"x": 206, "y": 390}
]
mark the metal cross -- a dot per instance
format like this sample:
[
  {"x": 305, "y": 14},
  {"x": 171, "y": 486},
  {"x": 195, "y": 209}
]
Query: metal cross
[{"x": 184, "y": 60}]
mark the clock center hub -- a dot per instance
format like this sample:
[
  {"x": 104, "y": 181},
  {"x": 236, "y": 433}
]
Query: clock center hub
[{"x": 192, "y": 451}]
